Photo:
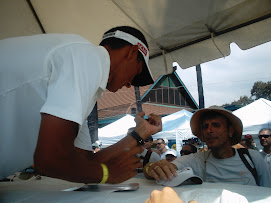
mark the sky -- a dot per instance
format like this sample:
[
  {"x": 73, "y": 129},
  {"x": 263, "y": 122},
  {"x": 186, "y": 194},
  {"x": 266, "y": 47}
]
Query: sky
[{"x": 226, "y": 79}]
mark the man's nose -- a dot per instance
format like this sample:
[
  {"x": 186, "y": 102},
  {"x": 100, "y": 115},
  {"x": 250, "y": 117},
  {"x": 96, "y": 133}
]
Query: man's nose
[{"x": 209, "y": 128}]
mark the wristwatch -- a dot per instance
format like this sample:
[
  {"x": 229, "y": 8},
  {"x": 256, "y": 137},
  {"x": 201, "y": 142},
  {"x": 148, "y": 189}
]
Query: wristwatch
[{"x": 137, "y": 137}]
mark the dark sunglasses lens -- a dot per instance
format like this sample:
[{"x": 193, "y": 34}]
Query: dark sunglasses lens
[
  {"x": 265, "y": 136},
  {"x": 185, "y": 152}
]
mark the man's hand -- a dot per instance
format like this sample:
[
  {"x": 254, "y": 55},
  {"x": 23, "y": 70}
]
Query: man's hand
[
  {"x": 123, "y": 167},
  {"x": 165, "y": 196},
  {"x": 146, "y": 128},
  {"x": 160, "y": 170}
]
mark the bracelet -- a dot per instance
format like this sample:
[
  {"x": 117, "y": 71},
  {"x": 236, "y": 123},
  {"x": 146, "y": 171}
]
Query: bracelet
[
  {"x": 147, "y": 168},
  {"x": 105, "y": 173},
  {"x": 137, "y": 137}
]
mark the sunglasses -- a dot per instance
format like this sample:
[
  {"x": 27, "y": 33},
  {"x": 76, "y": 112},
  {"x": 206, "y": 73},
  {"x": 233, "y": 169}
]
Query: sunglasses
[
  {"x": 159, "y": 143},
  {"x": 185, "y": 152},
  {"x": 264, "y": 136}
]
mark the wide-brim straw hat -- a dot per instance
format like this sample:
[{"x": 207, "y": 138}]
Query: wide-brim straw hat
[{"x": 237, "y": 125}]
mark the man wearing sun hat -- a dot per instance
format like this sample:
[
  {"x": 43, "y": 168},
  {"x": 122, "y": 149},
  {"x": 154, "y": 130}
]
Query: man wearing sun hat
[
  {"x": 49, "y": 85},
  {"x": 220, "y": 129}
]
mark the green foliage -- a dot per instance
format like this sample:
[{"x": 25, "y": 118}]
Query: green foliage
[
  {"x": 261, "y": 90},
  {"x": 243, "y": 101}
]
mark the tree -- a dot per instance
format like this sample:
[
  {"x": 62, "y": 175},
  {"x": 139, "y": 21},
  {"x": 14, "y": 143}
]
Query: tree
[
  {"x": 261, "y": 90},
  {"x": 243, "y": 101}
]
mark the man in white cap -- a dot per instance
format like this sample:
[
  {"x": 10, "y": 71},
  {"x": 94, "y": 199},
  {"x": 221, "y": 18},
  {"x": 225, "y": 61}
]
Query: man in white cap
[
  {"x": 171, "y": 155},
  {"x": 49, "y": 85},
  {"x": 220, "y": 129}
]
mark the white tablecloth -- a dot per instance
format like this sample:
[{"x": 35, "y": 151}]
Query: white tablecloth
[{"x": 50, "y": 190}]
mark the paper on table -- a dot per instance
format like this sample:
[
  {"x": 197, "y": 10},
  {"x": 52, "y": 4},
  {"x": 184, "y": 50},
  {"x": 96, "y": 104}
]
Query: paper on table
[
  {"x": 106, "y": 187},
  {"x": 212, "y": 195}
]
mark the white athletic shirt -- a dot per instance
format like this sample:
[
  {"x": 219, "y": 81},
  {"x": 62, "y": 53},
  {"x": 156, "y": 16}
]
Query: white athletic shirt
[
  {"x": 230, "y": 170},
  {"x": 58, "y": 74}
]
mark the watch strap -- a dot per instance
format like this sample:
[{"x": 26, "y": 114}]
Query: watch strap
[{"x": 137, "y": 137}]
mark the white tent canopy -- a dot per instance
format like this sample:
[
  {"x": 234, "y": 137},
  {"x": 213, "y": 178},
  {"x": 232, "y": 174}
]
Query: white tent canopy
[
  {"x": 188, "y": 32},
  {"x": 173, "y": 122},
  {"x": 255, "y": 116},
  {"x": 115, "y": 131},
  {"x": 175, "y": 126}
]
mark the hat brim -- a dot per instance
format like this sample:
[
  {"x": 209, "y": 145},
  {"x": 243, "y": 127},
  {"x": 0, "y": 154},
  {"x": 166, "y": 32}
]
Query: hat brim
[
  {"x": 195, "y": 123},
  {"x": 144, "y": 78},
  {"x": 181, "y": 179}
]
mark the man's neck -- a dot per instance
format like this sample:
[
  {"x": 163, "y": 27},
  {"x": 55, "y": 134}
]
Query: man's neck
[
  {"x": 223, "y": 153},
  {"x": 267, "y": 149}
]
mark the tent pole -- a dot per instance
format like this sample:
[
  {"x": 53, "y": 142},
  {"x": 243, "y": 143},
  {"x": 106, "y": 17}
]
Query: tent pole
[
  {"x": 35, "y": 15},
  {"x": 200, "y": 86},
  {"x": 93, "y": 124},
  {"x": 138, "y": 100}
]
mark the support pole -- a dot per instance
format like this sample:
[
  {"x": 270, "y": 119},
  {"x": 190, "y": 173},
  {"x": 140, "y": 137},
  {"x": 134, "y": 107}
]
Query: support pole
[
  {"x": 200, "y": 86},
  {"x": 93, "y": 124},
  {"x": 138, "y": 100}
]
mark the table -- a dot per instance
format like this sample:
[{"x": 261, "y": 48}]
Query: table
[{"x": 50, "y": 190}]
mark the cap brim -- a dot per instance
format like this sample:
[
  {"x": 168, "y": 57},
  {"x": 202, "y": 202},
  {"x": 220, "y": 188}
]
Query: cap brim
[
  {"x": 181, "y": 179},
  {"x": 144, "y": 78}
]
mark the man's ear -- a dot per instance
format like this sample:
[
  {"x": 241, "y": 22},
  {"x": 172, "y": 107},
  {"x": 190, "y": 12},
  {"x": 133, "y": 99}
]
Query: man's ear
[
  {"x": 231, "y": 131},
  {"x": 133, "y": 52}
]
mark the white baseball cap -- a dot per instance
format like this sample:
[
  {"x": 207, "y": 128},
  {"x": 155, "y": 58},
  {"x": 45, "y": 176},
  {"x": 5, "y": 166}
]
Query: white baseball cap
[
  {"x": 172, "y": 152},
  {"x": 184, "y": 177},
  {"x": 145, "y": 77}
]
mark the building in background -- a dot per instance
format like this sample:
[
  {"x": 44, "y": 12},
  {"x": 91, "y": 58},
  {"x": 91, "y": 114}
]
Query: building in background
[{"x": 166, "y": 96}]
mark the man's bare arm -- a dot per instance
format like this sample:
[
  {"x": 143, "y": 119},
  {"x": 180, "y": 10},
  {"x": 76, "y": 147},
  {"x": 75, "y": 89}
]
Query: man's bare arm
[{"x": 56, "y": 155}]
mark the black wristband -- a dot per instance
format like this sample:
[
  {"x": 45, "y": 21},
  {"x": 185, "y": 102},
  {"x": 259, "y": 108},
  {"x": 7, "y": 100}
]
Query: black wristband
[{"x": 137, "y": 137}]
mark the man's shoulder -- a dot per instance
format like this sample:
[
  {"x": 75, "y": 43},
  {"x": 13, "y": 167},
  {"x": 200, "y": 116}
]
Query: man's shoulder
[
  {"x": 62, "y": 37},
  {"x": 254, "y": 152}
]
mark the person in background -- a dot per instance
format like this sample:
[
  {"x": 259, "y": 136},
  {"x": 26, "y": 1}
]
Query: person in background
[
  {"x": 171, "y": 155},
  {"x": 188, "y": 149},
  {"x": 49, "y": 86},
  {"x": 265, "y": 140},
  {"x": 166, "y": 143},
  {"x": 96, "y": 146},
  {"x": 192, "y": 141},
  {"x": 161, "y": 146},
  {"x": 148, "y": 143},
  {"x": 220, "y": 129},
  {"x": 245, "y": 142},
  {"x": 148, "y": 155},
  {"x": 253, "y": 144}
]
